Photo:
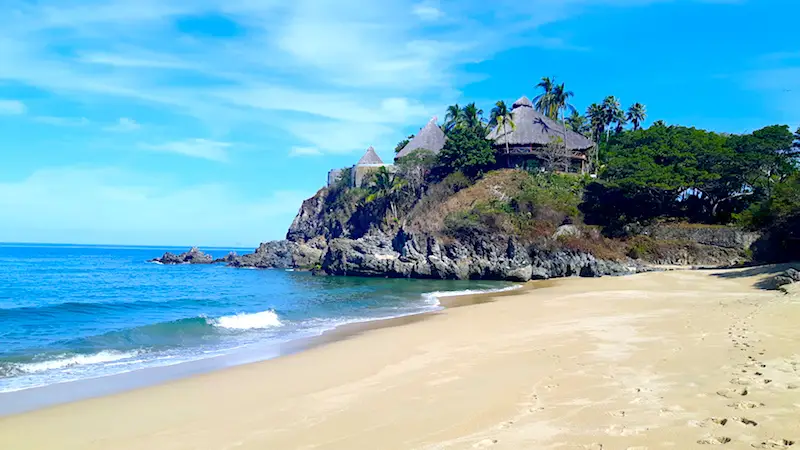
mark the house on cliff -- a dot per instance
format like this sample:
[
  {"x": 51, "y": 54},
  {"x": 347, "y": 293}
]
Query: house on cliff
[
  {"x": 526, "y": 145},
  {"x": 361, "y": 171},
  {"x": 430, "y": 138}
]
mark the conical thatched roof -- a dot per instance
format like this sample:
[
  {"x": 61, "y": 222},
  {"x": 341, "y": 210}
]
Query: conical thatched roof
[
  {"x": 370, "y": 158},
  {"x": 430, "y": 137},
  {"x": 534, "y": 128}
]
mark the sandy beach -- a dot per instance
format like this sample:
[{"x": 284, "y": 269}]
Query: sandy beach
[{"x": 677, "y": 360}]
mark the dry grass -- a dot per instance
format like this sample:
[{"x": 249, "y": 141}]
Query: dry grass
[{"x": 429, "y": 215}]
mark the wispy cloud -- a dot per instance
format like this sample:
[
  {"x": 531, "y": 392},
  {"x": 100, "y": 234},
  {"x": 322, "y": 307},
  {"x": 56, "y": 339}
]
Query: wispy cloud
[
  {"x": 63, "y": 121},
  {"x": 195, "y": 148},
  {"x": 124, "y": 125},
  {"x": 12, "y": 107},
  {"x": 356, "y": 64}
]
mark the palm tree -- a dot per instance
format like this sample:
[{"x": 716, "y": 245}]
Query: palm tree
[
  {"x": 637, "y": 114},
  {"x": 385, "y": 184},
  {"x": 472, "y": 116},
  {"x": 577, "y": 122},
  {"x": 506, "y": 121},
  {"x": 611, "y": 113},
  {"x": 500, "y": 109},
  {"x": 597, "y": 121},
  {"x": 560, "y": 101},
  {"x": 454, "y": 117},
  {"x": 543, "y": 102},
  {"x": 621, "y": 121}
]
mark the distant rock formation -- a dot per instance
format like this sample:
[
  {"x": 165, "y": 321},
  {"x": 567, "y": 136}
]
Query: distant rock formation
[{"x": 193, "y": 256}]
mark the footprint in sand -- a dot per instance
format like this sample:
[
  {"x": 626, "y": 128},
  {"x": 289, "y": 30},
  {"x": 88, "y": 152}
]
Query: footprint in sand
[
  {"x": 792, "y": 386},
  {"x": 485, "y": 443},
  {"x": 746, "y": 405},
  {"x": 714, "y": 440},
  {"x": 731, "y": 393},
  {"x": 740, "y": 381},
  {"x": 721, "y": 421},
  {"x": 745, "y": 421},
  {"x": 775, "y": 443},
  {"x": 617, "y": 413}
]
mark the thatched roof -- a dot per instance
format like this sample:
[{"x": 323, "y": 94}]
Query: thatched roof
[
  {"x": 430, "y": 137},
  {"x": 534, "y": 128},
  {"x": 370, "y": 158}
]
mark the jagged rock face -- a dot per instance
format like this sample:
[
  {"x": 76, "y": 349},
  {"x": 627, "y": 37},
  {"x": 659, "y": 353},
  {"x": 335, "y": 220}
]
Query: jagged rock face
[
  {"x": 283, "y": 255},
  {"x": 229, "y": 258},
  {"x": 193, "y": 256},
  {"x": 308, "y": 224},
  {"x": 273, "y": 254},
  {"x": 491, "y": 259}
]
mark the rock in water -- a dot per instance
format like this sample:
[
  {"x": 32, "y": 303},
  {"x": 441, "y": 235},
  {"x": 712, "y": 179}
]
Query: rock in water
[
  {"x": 228, "y": 259},
  {"x": 193, "y": 256}
]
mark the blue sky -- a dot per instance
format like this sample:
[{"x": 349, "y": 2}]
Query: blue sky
[{"x": 207, "y": 122}]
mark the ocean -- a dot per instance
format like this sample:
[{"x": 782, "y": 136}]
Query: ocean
[{"x": 70, "y": 313}]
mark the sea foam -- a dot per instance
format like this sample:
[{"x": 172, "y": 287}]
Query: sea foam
[
  {"x": 264, "y": 319},
  {"x": 105, "y": 356}
]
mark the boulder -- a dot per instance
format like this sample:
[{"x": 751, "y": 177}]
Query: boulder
[{"x": 193, "y": 256}]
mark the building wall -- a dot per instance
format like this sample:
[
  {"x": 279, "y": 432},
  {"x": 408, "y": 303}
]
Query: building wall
[{"x": 333, "y": 176}]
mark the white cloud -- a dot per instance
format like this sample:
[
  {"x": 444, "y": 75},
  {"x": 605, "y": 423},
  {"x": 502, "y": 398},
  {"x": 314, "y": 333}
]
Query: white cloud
[
  {"x": 305, "y": 151},
  {"x": 63, "y": 121},
  {"x": 108, "y": 205},
  {"x": 12, "y": 107},
  {"x": 124, "y": 125},
  {"x": 195, "y": 148},
  {"x": 427, "y": 11}
]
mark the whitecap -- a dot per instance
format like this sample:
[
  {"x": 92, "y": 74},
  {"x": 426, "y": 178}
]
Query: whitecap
[
  {"x": 264, "y": 319},
  {"x": 105, "y": 356}
]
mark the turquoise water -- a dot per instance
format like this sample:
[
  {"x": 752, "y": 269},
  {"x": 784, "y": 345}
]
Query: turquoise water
[{"x": 76, "y": 312}]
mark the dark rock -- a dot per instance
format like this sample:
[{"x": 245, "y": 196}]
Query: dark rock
[
  {"x": 716, "y": 236},
  {"x": 407, "y": 256},
  {"x": 229, "y": 258},
  {"x": 273, "y": 254},
  {"x": 193, "y": 256}
]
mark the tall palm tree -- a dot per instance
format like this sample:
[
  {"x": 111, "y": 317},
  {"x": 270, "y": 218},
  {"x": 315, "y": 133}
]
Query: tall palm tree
[
  {"x": 505, "y": 121},
  {"x": 543, "y": 102},
  {"x": 472, "y": 116},
  {"x": 597, "y": 120},
  {"x": 560, "y": 101},
  {"x": 454, "y": 117},
  {"x": 500, "y": 109},
  {"x": 611, "y": 113},
  {"x": 385, "y": 184},
  {"x": 577, "y": 122},
  {"x": 637, "y": 114},
  {"x": 621, "y": 121}
]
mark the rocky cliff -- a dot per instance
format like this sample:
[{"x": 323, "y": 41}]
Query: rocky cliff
[{"x": 509, "y": 225}]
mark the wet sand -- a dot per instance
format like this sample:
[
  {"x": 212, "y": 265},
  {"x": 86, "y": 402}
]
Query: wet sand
[{"x": 676, "y": 360}]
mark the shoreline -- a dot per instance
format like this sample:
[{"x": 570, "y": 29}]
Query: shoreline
[
  {"x": 655, "y": 360},
  {"x": 42, "y": 397}
]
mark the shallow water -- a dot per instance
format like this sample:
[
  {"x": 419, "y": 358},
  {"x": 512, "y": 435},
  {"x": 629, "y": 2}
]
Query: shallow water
[{"x": 72, "y": 313}]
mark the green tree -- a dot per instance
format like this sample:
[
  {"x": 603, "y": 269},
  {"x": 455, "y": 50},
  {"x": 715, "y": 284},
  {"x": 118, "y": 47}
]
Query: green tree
[
  {"x": 385, "y": 185},
  {"x": 500, "y": 109},
  {"x": 578, "y": 123},
  {"x": 473, "y": 116},
  {"x": 560, "y": 101},
  {"x": 612, "y": 112},
  {"x": 505, "y": 123},
  {"x": 454, "y": 117},
  {"x": 543, "y": 102},
  {"x": 414, "y": 168},
  {"x": 597, "y": 120},
  {"x": 637, "y": 114},
  {"x": 400, "y": 145},
  {"x": 466, "y": 150}
]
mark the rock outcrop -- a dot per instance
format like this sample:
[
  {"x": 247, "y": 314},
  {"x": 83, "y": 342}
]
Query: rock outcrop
[
  {"x": 784, "y": 279},
  {"x": 193, "y": 256},
  {"x": 405, "y": 256},
  {"x": 714, "y": 236},
  {"x": 283, "y": 255}
]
